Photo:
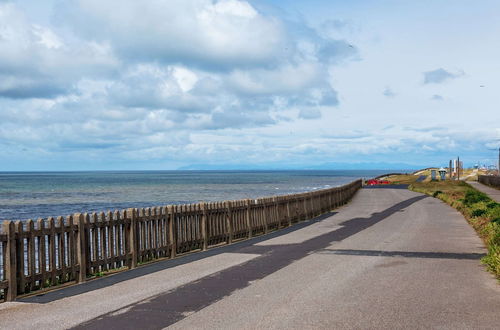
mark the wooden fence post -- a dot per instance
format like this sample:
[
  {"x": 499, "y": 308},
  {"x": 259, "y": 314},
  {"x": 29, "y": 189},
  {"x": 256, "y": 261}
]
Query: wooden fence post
[
  {"x": 318, "y": 204},
  {"x": 304, "y": 207},
  {"x": 133, "y": 242},
  {"x": 10, "y": 260},
  {"x": 288, "y": 214},
  {"x": 247, "y": 218},
  {"x": 266, "y": 214},
  {"x": 72, "y": 249},
  {"x": 276, "y": 212},
  {"x": 322, "y": 203},
  {"x": 326, "y": 202},
  {"x": 171, "y": 231},
  {"x": 321, "y": 206},
  {"x": 52, "y": 251},
  {"x": 42, "y": 255},
  {"x": 330, "y": 202},
  {"x": 20, "y": 257},
  {"x": 31, "y": 252},
  {"x": 311, "y": 205},
  {"x": 229, "y": 222},
  {"x": 81, "y": 245},
  {"x": 204, "y": 221}
]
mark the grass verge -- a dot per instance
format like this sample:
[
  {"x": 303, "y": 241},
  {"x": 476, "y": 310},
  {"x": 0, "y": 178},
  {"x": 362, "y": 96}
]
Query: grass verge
[{"x": 480, "y": 211}]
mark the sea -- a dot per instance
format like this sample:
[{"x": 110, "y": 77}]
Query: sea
[{"x": 33, "y": 195}]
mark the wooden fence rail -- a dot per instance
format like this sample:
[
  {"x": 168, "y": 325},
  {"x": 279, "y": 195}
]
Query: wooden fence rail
[
  {"x": 51, "y": 252},
  {"x": 490, "y": 180}
]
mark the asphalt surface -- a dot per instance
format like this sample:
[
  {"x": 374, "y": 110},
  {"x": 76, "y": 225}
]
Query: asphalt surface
[
  {"x": 421, "y": 178},
  {"x": 389, "y": 259}
]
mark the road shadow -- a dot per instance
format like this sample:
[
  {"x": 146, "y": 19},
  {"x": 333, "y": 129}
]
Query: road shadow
[
  {"x": 170, "y": 307},
  {"x": 421, "y": 178},
  {"x": 160, "y": 265},
  {"x": 404, "y": 254}
]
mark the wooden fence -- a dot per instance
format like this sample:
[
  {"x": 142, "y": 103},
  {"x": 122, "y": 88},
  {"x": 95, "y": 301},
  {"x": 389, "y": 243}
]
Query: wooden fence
[
  {"x": 52, "y": 252},
  {"x": 490, "y": 180}
]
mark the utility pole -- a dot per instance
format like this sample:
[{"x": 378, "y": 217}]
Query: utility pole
[
  {"x": 458, "y": 168},
  {"x": 450, "y": 171}
]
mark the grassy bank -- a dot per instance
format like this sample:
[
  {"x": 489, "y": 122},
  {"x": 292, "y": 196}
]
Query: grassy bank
[{"x": 481, "y": 211}]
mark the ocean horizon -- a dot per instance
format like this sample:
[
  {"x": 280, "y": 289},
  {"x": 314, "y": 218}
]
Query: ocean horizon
[{"x": 42, "y": 194}]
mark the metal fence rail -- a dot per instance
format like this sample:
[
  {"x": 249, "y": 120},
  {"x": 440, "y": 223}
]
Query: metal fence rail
[{"x": 51, "y": 252}]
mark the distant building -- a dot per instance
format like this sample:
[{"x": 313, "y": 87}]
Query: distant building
[{"x": 456, "y": 166}]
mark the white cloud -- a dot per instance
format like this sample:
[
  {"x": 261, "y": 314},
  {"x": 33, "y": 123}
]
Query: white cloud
[
  {"x": 46, "y": 37},
  {"x": 234, "y": 8},
  {"x": 285, "y": 79},
  {"x": 36, "y": 62},
  {"x": 185, "y": 78},
  {"x": 174, "y": 82},
  {"x": 217, "y": 34}
]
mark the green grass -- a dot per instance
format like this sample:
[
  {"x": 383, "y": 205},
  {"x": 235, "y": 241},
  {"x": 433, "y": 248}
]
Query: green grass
[
  {"x": 480, "y": 211},
  {"x": 402, "y": 179}
]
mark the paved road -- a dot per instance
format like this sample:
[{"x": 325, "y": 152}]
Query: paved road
[
  {"x": 492, "y": 192},
  {"x": 421, "y": 178},
  {"x": 390, "y": 259}
]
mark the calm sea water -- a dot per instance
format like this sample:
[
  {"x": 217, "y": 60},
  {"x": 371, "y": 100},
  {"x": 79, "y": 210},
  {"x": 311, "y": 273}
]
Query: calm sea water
[{"x": 43, "y": 194}]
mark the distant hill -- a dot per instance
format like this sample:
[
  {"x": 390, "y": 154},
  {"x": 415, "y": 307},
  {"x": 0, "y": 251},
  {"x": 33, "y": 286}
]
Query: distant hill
[{"x": 324, "y": 166}]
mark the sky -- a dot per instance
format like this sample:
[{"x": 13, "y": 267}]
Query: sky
[{"x": 205, "y": 84}]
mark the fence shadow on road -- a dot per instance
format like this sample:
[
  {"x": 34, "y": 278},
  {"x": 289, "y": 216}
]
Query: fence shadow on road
[
  {"x": 379, "y": 216},
  {"x": 170, "y": 307},
  {"x": 404, "y": 254},
  {"x": 157, "y": 266}
]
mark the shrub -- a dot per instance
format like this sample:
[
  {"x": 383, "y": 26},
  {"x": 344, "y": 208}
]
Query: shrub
[
  {"x": 437, "y": 192},
  {"x": 473, "y": 197},
  {"x": 494, "y": 213},
  {"x": 495, "y": 237},
  {"x": 478, "y": 212},
  {"x": 492, "y": 205},
  {"x": 492, "y": 260}
]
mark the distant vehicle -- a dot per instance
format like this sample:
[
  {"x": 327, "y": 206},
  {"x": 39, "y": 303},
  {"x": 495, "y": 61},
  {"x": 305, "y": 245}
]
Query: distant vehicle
[{"x": 374, "y": 182}]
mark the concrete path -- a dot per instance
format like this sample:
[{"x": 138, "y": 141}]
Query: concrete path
[
  {"x": 391, "y": 258},
  {"x": 472, "y": 174},
  {"x": 421, "y": 178},
  {"x": 492, "y": 192}
]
